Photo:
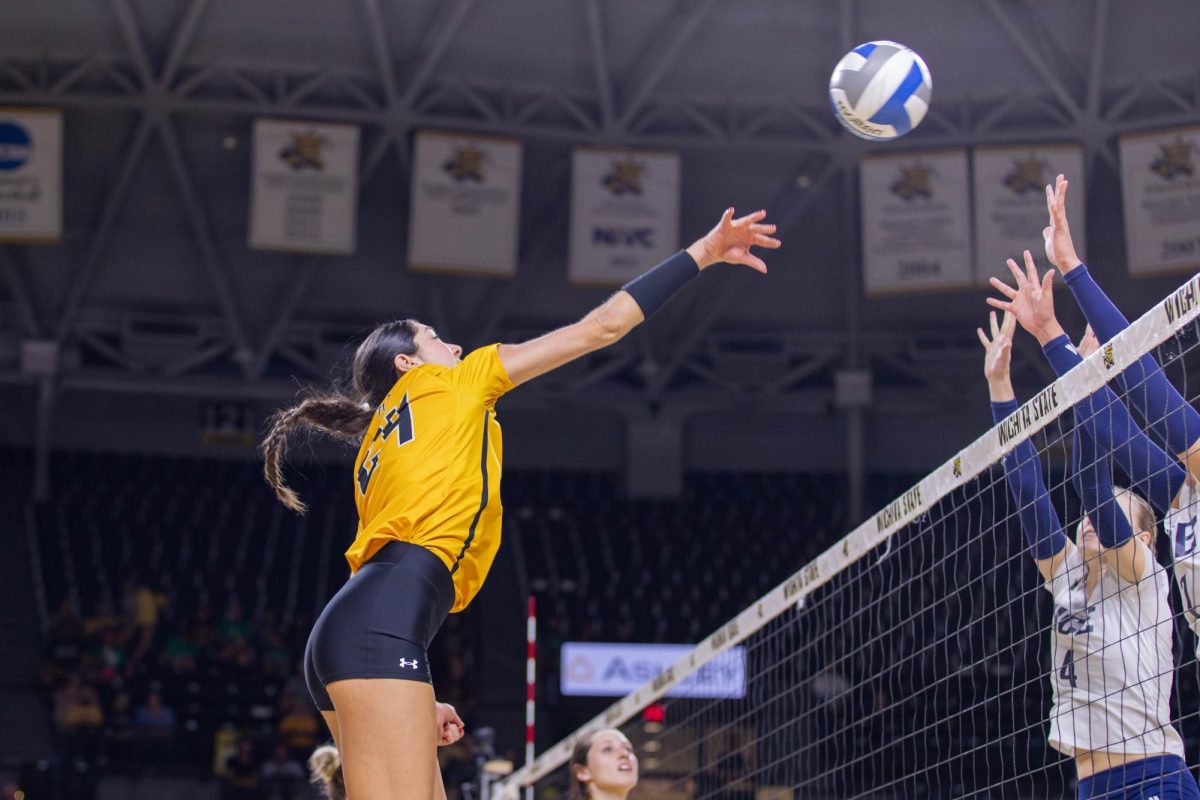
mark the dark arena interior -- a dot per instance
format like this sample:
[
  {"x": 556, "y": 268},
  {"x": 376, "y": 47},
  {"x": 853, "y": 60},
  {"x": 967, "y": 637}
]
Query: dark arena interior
[{"x": 761, "y": 538}]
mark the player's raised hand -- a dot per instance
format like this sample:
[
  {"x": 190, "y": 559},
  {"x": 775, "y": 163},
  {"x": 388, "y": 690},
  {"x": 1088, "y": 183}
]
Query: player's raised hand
[
  {"x": 1032, "y": 302},
  {"x": 731, "y": 240},
  {"x": 997, "y": 348},
  {"x": 1088, "y": 344},
  {"x": 1060, "y": 250},
  {"x": 449, "y": 725}
]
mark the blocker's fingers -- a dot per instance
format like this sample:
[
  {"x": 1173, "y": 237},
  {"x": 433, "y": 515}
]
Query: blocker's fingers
[
  {"x": 1060, "y": 197},
  {"x": 983, "y": 339},
  {"x": 1009, "y": 324},
  {"x": 750, "y": 219},
  {"x": 767, "y": 241},
  {"x": 996, "y": 302},
  {"x": 727, "y": 217},
  {"x": 1002, "y": 287},
  {"x": 1048, "y": 281},
  {"x": 765, "y": 227},
  {"x": 993, "y": 324},
  {"x": 1030, "y": 268},
  {"x": 754, "y": 262},
  {"x": 1050, "y": 198},
  {"x": 1015, "y": 270}
]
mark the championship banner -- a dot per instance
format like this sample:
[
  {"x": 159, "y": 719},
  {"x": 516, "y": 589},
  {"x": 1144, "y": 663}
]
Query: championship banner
[
  {"x": 1010, "y": 202},
  {"x": 1161, "y": 187},
  {"x": 624, "y": 213},
  {"x": 304, "y": 194},
  {"x": 30, "y": 175},
  {"x": 916, "y": 222},
  {"x": 466, "y": 195}
]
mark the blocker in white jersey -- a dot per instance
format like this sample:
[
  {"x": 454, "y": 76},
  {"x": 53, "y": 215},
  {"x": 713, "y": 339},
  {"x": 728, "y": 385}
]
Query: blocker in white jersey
[
  {"x": 1181, "y": 527},
  {"x": 1112, "y": 660}
]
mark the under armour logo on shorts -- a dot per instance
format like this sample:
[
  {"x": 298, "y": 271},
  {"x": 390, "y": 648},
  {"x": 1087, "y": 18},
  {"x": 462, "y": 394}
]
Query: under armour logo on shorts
[{"x": 410, "y": 664}]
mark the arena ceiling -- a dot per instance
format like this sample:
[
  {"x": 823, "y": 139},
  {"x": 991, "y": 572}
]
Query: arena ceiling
[{"x": 153, "y": 289}]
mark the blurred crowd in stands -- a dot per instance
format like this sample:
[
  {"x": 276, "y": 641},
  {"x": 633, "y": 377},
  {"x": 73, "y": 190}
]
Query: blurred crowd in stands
[{"x": 179, "y": 598}]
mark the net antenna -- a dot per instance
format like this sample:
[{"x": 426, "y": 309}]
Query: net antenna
[{"x": 713, "y": 753}]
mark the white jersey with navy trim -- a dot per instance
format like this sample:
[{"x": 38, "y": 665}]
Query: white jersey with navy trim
[
  {"x": 1180, "y": 524},
  {"x": 1113, "y": 663}
]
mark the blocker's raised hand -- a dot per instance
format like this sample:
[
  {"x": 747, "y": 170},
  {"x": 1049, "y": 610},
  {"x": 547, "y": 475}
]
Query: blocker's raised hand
[
  {"x": 1032, "y": 302},
  {"x": 998, "y": 348},
  {"x": 731, "y": 240},
  {"x": 1060, "y": 250},
  {"x": 1088, "y": 344}
]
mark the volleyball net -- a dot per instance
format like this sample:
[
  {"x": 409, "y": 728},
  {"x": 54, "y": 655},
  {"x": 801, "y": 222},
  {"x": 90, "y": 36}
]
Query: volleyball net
[{"x": 912, "y": 658}]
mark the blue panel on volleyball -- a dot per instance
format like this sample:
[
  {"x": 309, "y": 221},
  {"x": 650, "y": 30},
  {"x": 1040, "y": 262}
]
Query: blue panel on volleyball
[
  {"x": 893, "y": 111},
  {"x": 865, "y": 50}
]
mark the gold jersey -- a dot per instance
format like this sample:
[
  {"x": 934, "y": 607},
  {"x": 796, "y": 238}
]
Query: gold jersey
[{"x": 428, "y": 470}]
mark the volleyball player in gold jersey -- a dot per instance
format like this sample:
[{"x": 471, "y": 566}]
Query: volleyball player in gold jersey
[{"x": 427, "y": 488}]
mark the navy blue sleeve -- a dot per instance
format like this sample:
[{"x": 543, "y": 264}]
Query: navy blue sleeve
[
  {"x": 1153, "y": 473},
  {"x": 1093, "y": 481},
  {"x": 1171, "y": 418},
  {"x": 1023, "y": 473}
]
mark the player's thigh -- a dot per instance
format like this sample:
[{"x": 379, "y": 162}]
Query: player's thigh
[
  {"x": 388, "y": 742},
  {"x": 331, "y": 722}
]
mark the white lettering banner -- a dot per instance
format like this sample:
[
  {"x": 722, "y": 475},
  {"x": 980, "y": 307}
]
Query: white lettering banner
[
  {"x": 466, "y": 196},
  {"x": 304, "y": 195},
  {"x": 30, "y": 174},
  {"x": 916, "y": 221},
  {"x": 597, "y": 669},
  {"x": 624, "y": 213},
  {"x": 1010, "y": 202},
  {"x": 1161, "y": 186}
]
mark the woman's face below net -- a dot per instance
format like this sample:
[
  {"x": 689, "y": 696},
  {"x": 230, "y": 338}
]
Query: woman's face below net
[{"x": 611, "y": 762}]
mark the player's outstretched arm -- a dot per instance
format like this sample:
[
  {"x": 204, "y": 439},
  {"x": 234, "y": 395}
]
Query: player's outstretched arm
[
  {"x": 1155, "y": 474},
  {"x": 1103, "y": 427},
  {"x": 729, "y": 241},
  {"x": 1172, "y": 419},
  {"x": 1022, "y": 467}
]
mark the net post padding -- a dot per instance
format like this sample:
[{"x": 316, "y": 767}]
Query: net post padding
[{"x": 1153, "y": 328}]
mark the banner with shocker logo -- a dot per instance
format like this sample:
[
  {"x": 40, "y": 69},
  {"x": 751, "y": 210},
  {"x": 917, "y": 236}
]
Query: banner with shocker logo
[
  {"x": 304, "y": 194},
  {"x": 624, "y": 213},
  {"x": 1160, "y": 177},
  {"x": 916, "y": 223},
  {"x": 466, "y": 193},
  {"x": 30, "y": 175},
  {"x": 1010, "y": 202}
]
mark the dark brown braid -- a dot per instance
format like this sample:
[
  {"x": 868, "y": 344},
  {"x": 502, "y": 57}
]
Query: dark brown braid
[{"x": 344, "y": 415}]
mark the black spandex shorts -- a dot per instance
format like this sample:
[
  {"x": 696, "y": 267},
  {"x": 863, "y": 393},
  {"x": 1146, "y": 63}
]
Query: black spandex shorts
[{"x": 380, "y": 623}]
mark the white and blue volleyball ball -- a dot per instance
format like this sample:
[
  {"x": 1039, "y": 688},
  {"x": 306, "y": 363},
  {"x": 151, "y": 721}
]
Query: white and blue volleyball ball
[{"x": 880, "y": 90}]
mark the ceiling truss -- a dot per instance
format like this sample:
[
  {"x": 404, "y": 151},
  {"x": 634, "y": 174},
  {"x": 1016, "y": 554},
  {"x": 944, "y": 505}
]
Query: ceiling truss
[{"x": 391, "y": 102}]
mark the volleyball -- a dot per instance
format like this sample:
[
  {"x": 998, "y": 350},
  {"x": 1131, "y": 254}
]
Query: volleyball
[{"x": 880, "y": 90}]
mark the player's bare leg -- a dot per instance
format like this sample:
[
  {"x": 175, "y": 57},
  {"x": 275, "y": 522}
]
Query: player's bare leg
[
  {"x": 331, "y": 722},
  {"x": 387, "y": 738}
]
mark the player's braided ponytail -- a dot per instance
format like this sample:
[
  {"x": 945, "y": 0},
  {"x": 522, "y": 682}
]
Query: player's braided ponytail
[{"x": 342, "y": 414}]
